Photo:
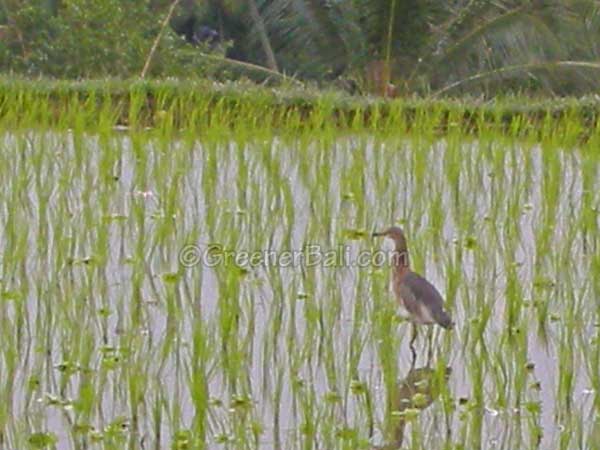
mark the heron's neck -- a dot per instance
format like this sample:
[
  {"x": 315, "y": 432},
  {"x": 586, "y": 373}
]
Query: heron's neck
[{"x": 401, "y": 260}]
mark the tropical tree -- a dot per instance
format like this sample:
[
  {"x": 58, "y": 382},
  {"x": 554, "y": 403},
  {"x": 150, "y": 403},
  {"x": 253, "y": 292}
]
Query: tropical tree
[
  {"x": 390, "y": 47},
  {"x": 428, "y": 46}
]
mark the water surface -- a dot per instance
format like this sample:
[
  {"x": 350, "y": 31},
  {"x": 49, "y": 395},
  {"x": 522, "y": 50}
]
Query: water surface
[{"x": 113, "y": 339}]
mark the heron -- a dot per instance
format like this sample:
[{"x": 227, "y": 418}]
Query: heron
[{"x": 419, "y": 297}]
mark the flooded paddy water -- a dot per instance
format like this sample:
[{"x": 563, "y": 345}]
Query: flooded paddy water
[{"x": 124, "y": 325}]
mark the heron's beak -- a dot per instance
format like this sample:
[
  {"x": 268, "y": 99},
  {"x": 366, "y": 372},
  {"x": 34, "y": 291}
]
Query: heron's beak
[{"x": 378, "y": 234}]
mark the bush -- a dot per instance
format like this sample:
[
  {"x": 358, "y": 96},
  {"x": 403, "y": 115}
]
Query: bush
[{"x": 91, "y": 38}]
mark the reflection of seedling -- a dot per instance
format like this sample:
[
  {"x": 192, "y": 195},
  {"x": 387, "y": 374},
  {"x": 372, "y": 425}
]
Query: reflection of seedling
[
  {"x": 117, "y": 428},
  {"x": 42, "y": 440},
  {"x": 182, "y": 440},
  {"x": 358, "y": 387},
  {"x": 240, "y": 403},
  {"x": 332, "y": 397},
  {"x": 355, "y": 234}
]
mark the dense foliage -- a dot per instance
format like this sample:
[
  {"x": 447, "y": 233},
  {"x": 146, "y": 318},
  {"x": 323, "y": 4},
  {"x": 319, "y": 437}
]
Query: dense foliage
[
  {"x": 89, "y": 38},
  {"x": 385, "y": 46}
]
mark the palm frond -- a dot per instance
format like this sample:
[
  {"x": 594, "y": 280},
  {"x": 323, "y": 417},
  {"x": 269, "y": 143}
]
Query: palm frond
[{"x": 511, "y": 71}]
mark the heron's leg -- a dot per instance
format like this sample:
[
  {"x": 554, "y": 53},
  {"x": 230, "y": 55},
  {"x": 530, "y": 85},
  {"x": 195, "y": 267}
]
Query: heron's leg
[
  {"x": 412, "y": 345},
  {"x": 429, "y": 345}
]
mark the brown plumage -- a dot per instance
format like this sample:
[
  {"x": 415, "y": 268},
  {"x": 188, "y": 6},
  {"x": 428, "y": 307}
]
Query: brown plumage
[{"x": 418, "y": 296}]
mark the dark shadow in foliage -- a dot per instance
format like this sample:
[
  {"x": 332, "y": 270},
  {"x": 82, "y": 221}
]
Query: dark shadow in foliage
[
  {"x": 194, "y": 32},
  {"x": 212, "y": 23}
]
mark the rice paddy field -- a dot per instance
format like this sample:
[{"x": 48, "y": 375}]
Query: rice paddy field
[{"x": 190, "y": 273}]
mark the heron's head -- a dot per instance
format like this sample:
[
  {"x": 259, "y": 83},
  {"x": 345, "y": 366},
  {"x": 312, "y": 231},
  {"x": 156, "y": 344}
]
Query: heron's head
[{"x": 396, "y": 234}]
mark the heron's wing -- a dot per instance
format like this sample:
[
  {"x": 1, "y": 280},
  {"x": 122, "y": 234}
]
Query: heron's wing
[
  {"x": 409, "y": 300},
  {"x": 426, "y": 294}
]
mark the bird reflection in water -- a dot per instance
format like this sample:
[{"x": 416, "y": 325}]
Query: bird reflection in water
[{"x": 416, "y": 392}]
